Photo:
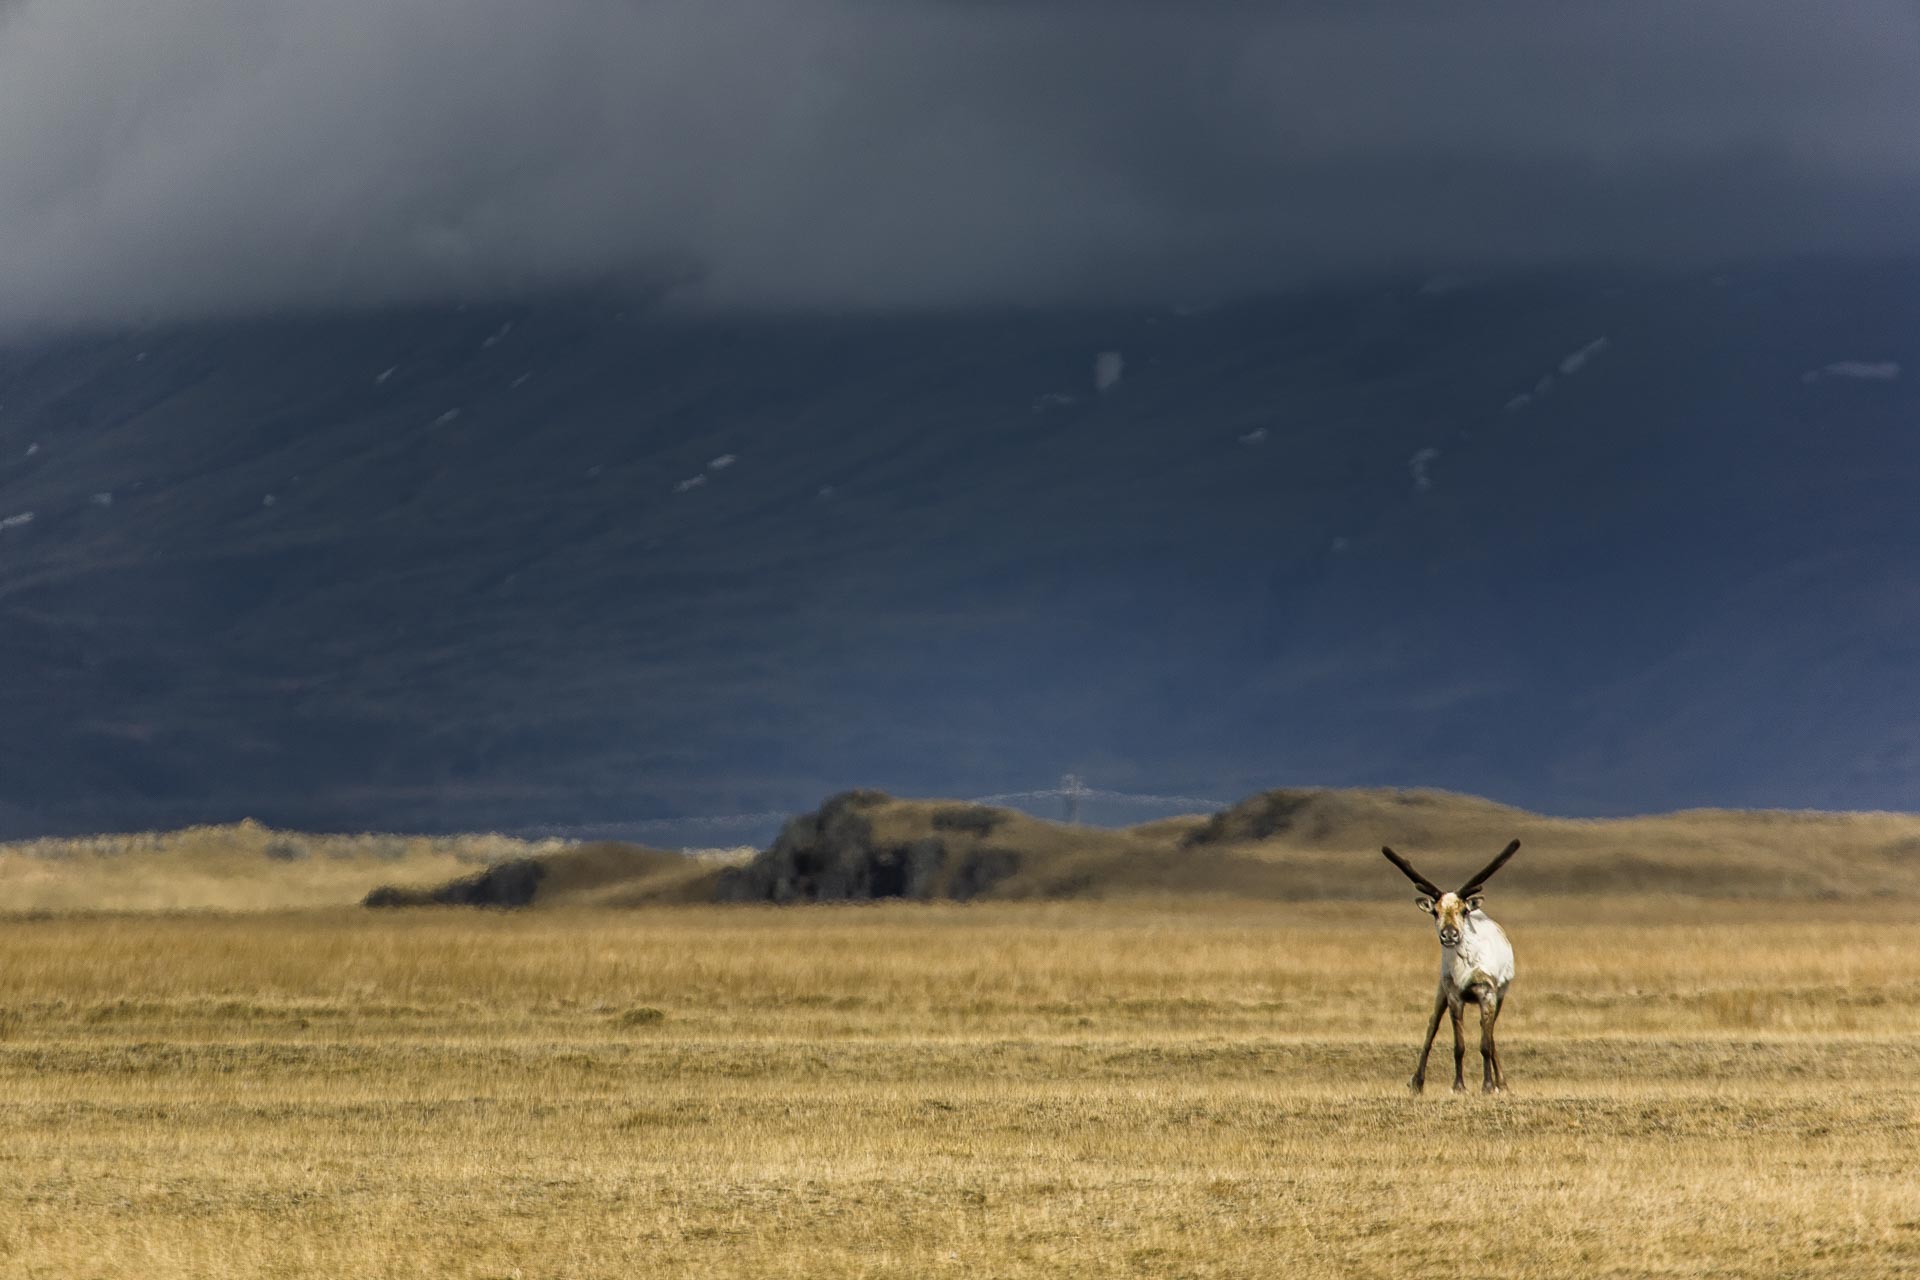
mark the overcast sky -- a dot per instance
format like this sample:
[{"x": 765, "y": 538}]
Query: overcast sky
[{"x": 165, "y": 157}]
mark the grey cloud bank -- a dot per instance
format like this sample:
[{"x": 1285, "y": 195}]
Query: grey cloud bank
[{"x": 179, "y": 157}]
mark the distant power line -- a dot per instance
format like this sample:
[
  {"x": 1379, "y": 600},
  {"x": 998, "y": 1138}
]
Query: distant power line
[
  {"x": 587, "y": 830},
  {"x": 1097, "y": 793}
]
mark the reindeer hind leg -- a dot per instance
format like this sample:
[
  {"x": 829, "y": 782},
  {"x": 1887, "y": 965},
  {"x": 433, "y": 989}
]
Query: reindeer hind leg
[{"x": 1496, "y": 1081}]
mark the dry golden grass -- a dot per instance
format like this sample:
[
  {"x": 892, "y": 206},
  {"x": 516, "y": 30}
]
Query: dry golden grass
[{"x": 1711, "y": 1089}]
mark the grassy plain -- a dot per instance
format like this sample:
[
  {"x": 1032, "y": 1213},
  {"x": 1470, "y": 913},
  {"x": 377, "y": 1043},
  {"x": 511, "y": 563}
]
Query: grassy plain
[{"x": 1204, "y": 1089}]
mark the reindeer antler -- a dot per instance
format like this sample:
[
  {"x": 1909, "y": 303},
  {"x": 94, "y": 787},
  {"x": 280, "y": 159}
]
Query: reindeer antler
[
  {"x": 1427, "y": 886},
  {"x": 1472, "y": 886}
]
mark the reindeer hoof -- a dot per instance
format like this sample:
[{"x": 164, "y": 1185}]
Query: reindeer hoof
[
  {"x": 1459, "y": 1086},
  {"x": 1416, "y": 1086},
  {"x": 1490, "y": 1087}
]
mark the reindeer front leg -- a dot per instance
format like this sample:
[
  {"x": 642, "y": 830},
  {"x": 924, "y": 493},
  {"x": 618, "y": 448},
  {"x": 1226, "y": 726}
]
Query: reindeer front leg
[
  {"x": 1455, "y": 1008},
  {"x": 1419, "y": 1081}
]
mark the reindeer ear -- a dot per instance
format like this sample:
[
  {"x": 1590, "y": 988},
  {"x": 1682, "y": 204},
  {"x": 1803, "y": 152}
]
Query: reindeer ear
[
  {"x": 1473, "y": 903},
  {"x": 1425, "y": 904}
]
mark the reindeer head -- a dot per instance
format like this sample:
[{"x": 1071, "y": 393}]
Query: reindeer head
[{"x": 1450, "y": 910}]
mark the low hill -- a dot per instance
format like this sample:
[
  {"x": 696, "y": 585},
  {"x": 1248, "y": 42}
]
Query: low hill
[
  {"x": 859, "y": 846},
  {"x": 1278, "y": 845},
  {"x": 864, "y": 845},
  {"x": 603, "y": 874},
  {"x": 1326, "y": 843},
  {"x": 241, "y": 866},
  {"x": 246, "y": 866}
]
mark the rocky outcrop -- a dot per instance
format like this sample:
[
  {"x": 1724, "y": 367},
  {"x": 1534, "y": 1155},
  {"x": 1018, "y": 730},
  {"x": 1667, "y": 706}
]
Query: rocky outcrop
[
  {"x": 1261, "y": 817},
  {"x": 506, "y": 884},
  {"x": 603, "y": 873},
  {"x": 833, "y": 855},
  {"x": 1356, "y": 818}
]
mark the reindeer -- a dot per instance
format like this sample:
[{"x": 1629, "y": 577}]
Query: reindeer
[{"x": 1476, "y": 966}]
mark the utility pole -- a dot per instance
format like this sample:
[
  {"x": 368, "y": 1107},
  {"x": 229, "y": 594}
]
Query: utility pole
[{"x": 1073, "y": 788}]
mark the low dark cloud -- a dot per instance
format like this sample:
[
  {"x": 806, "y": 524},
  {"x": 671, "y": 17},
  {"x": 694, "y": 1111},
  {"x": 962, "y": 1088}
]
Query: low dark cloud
[{"x": 183, "y": 156}]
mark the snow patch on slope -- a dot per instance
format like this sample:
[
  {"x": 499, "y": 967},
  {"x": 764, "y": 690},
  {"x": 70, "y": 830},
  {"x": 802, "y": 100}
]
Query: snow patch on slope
[
  {"x": 1578, "y": 360},
  {"x": 1419, "y": 464},
  {"x": 1861, "y": 370}
]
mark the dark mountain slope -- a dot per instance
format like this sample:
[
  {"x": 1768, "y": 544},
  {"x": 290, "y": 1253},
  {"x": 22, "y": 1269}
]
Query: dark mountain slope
[{"x": 573, "y": 563}]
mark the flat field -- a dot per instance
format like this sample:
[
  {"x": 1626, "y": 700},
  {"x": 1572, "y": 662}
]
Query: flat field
[{"x": 1087, "y": 1089}]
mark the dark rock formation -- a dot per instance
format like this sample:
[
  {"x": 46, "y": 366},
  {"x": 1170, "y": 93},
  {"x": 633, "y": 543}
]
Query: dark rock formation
[
  {"x": 506, "y": 884},
  {"x": 1259, "y": 817},
  {"x": 832, "y": 855}
]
